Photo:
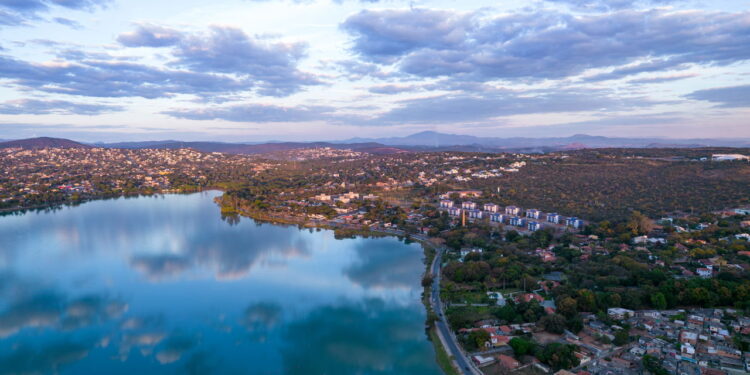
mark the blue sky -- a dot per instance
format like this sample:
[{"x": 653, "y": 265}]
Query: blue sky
[{"x": 253, "y": 70}]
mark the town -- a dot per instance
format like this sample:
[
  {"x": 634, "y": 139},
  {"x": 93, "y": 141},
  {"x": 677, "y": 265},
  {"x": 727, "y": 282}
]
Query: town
[{"x": 539, "y": 267}]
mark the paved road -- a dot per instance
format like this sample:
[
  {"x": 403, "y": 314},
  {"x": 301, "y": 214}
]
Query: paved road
[{"x": 465, "y": 366}]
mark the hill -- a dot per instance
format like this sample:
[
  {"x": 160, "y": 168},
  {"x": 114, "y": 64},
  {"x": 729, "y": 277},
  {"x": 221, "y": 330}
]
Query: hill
[{"x": 42, "y": 142}]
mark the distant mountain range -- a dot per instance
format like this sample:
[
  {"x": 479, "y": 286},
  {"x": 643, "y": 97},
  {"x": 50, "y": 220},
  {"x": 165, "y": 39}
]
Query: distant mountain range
[
  {"x": 578, "y": 141},
  {"x": 424, "y": 141}
]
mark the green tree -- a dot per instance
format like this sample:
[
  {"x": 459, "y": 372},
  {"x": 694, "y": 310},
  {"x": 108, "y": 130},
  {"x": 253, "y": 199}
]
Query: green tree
[
  {"x": 659, "y": 301},
  {"x": 554, "y": 323},
  {"x": 479, "y": 337},
  {"x": 521, "y": 346}
]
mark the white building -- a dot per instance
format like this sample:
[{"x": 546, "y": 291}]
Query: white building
[
  {"x": 729, "y": 157},
  {"x": 469, "y": 205},
  {"x": 491, "y": 207},
  {"x": 446, "y": 203},
  {"x": 619, "y": 313}
]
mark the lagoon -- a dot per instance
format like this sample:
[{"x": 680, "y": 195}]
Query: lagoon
[{"x": 165, "y": 285}]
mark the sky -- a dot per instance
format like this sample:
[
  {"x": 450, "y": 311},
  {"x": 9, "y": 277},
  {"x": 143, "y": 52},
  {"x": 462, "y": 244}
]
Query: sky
[{"x": 310, "y": 70}]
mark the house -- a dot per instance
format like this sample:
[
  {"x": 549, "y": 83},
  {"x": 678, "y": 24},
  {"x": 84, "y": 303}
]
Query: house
[
  {"x": 534, "y": 226},
  {"x": 454, "y": 211},
  {"x": 688, "y": 337},
  {"x": 553, "y": 218},
  {"x": 704, "y": 272},
  {"x": 497, "y": 218},
  {"x": 482, "y": 361},
  {"x": 512, "y": 210},
  {"x": 491, "y": 207},
  {"x": 528, "y": 297},
  {"x": 463, "y": 193},
  {"x": 469, "y": 205},
  {"x": 729, "y": 157},
  {"x": 323, "y": 198},
  {"x": 574, "y": 222},
  {"x": 446, "y": 203},
  {"x": 518, "y": 221},
  {"x": 475, "y": 214},
  {"x": 640, "y": 240},
  {"x": 619, "y": 313},
  {"x": 533, "y": 214}
]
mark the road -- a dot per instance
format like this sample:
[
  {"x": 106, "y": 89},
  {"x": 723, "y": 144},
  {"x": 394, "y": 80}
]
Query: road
[{"x": 465, "y": 366}]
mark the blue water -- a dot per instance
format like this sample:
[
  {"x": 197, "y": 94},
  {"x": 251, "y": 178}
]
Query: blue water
[{"x": 164, "y": 285}]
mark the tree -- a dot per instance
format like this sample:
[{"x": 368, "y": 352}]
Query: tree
[
  {"x": 653, "y": 365},
  {"x": 567, "y": 306},
  {"x": 521, "y": 346},
  {"x": 479, "y": 337},
  {"x": 554, "y": 323},
  {"x": 659, "y": 301},
  {"x": 639, "y": 223},
  {"x": 427, "y": 280},
  {"x": 559, "y": 356},
  {"x": 621, "y": 337}
]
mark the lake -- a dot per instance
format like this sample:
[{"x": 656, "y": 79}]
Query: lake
[{"x": 164, "y": 285}]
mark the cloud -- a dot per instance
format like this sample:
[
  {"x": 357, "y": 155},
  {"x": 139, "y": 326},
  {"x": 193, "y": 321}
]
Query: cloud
[
  {"x": 68, "y": 22},
  {"x": 725, "y": 97},
  {"x": 528, "y": 45},
  {"x": 463, "y": 107},
  {"x": 271, "y": 67},
  {"x": 50, "y": 309},
  {"x": 47, "y": 358},
  {"x": 18, "y": 12},
  {"x": 662, "y": 79},
  {"x": 150, "y": 36},
  {"x": 382, "y": 265},
  {"x": 60, "y": 107},
  {"x": 96, "y": 78},
  {"x": 161, "y": 265},
  {"x": 387, "y": 34},
  {"x": 254, "y": 113},
  {"x": 393, "y": 89},
  {"x": 175, "y": 347}
]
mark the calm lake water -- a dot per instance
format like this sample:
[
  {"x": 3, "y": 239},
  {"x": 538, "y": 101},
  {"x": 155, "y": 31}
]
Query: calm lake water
[{"x": 163, "y": 285}]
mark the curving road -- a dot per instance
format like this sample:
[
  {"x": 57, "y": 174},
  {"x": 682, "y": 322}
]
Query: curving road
[{"x": 465, "y": 366}]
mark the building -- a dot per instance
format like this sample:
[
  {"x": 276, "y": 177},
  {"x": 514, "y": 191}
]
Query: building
[
  {"x": 729, "y": 157},
  {"x": 512, "y": 210},
  {"x": 619, "y": 313},
  {"x": 445, "y": 203},
  {"x": 705, "y": 272},
  {"x": 463, "y": 193},
  {"x": 491, "y": 207},
  {"x": 574, "y": 222},
  {"x": 454, "y": 211},
  {"x": 533, "y": 214},
  {"x": 497, "y": 218},
  {"x": 469, "y": 205},
  {"x": 518, "y": 221},
  {"x": 553, "y": 218},
  {"x": 475, "y": 214},
  {"x": 534, "y": 226}
]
